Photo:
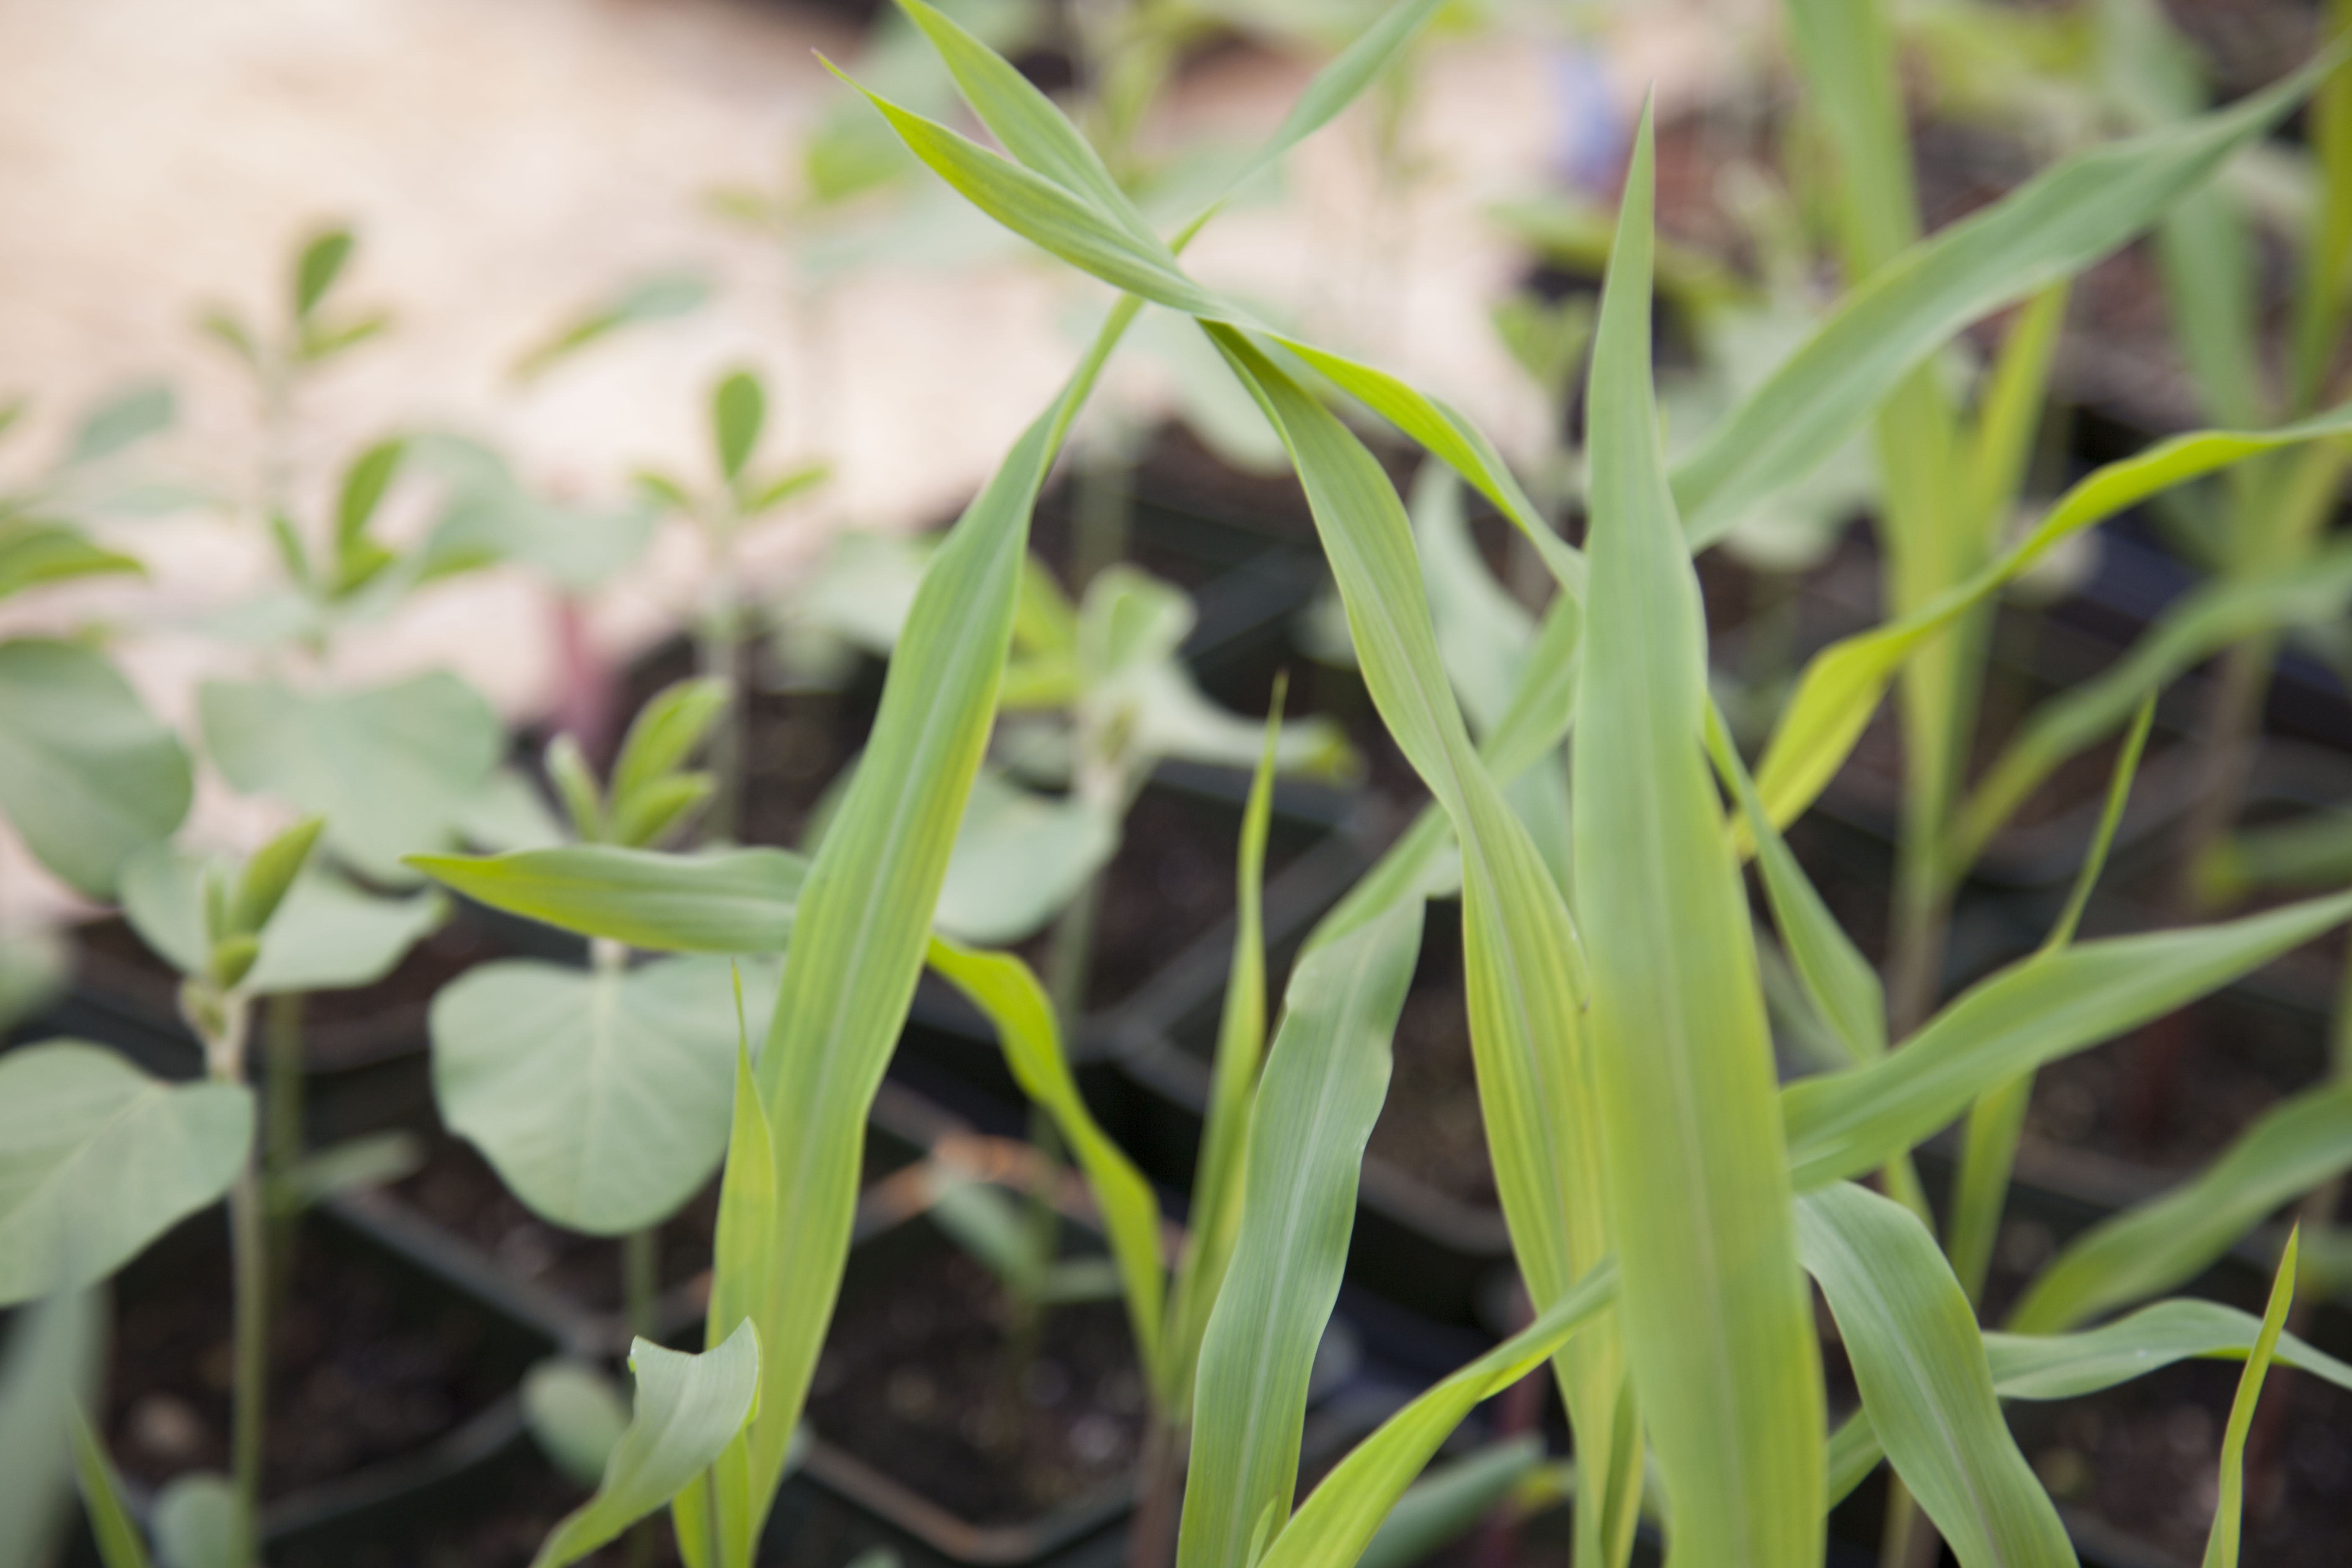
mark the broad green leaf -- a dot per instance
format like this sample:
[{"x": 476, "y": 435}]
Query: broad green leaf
[
  {"x": 656, "y": 299},
  {"x": 87, "y": 776},
  {"x": 1719, "y": 1323},
  {"x": 2052, "y": 227},
  {"x": 1449, "y": 1499},
  {"x": 195, "y": 1521},
  {"x": 1520, "y": 951},
  {"x": 2297, "y": 1145},
  {"x": 2193, "y": 628},
  {"x": 392, "y": 768},
  {"x": 35, "y": 966},
  {"x": 44, "y": 1375},
  {"x": 1325, "y": 1078},
  {"x": 688, "y": 1408},
  {"x": 1216, "y": 1205},
  {"x": 1842, "y": 1124},
  {"x": 1016, "y": 1007},
  {"x": 1020, "y": 858},
  {"x": 2222, "y": 1541},
  {"x": 1911, "y": 1336},
  {"x": 97, "y": 1160},
  {"x": 601, "y": 1095},
  {"x": 320, "y": 264},
  {"x": 121, "y": 420},
  {"x": 329, "y": 936},
  {"x": 1340, "y": 1517},
  {"x": 34, "y": 551},
  {"x": 734, "y": 901},
  {"x": 861, "y": 921},
  {"x": 739, "y": 408},
  {"x": 1842, "y": 684},
  {"x": 576, "y": 1415}
]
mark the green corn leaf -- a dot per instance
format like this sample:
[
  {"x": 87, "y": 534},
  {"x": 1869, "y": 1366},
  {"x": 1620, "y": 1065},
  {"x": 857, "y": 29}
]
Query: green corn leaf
[
  {"x": 1016, "y": 1006},
  {"x": 111, "y": 1527},
  {"x": 1911, "y": 1338},
  {"x": 1069, "y": 224},
  {"x": 739, "y": 407},
  {"x": 1839, "y": 982},
  {"x": 1027, "y": 123},
  {"x": 2202, "y": 623},
  {"x": 97, "y": 1160},
  {"x": 600, "y": 1095},
  {"x": 2054, "y": 226},
  {"x": 1717, "y": 1319},
  {"x": 1449, "y": 1499},
  {"x": 266, "y": 878},
  {"x": 688, "y": 1408},
  {"x": 741, "y": 1271},
  {"x": 1842, "y": 1124},
  {"x": 87, "y": 776},
  {"x": 862, "y": 917},
  {"x": 2222, "y": 1541},
  {"x": 316, "y": 269},
  {"x": 663, "y": 734},
  {"x": 1842, "y": 684},
  {"x": 1343, "y": 1514},
  {"x": 2297, "y": 1145},
  {"x": 33, "y": 551},
  {"x": 1325, "y": 1078},
  {"x": 2065, "y": 1366},
  {"x": 1520, "y": 951},
  {"x": 1233, "y": 1085},
  {"x": 735, "y": 900}
]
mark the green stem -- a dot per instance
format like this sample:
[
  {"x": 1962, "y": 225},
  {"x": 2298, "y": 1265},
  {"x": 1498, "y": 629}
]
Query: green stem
[
  {"x": 281, "y": 1127},
  {"x": 719, "y": 655},
  {"x": 1100, "y": 509},
  {"x": 641, "y": 1278},
  {"x": 1980, "y": 1188},
  {"x": 222, "y": 1023}
]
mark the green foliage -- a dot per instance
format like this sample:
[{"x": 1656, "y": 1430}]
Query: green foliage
[{"x": 87, "y": 776}]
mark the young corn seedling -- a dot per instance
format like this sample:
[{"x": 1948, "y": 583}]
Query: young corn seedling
[
  {"x": 724, "y": 627},
  {"x": 1699, "y": 1222}
]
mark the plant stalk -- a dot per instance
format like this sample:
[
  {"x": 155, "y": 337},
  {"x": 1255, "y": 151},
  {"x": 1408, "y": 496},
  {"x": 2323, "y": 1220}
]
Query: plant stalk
[
  {"x": 719, "y": 655},
  {"x": 282, "y": 1132},
  {"x": 223, "y": 1022}
]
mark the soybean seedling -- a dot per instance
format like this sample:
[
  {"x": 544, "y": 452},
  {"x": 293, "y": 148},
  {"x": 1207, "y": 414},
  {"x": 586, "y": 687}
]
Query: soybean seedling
[{"x": 725, "y": 622}]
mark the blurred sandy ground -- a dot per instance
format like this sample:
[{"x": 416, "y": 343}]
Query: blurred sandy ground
[{"x": 506, "y": 164}]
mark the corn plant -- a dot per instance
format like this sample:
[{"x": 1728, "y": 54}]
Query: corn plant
[{"x": 1644, "y": 1150}]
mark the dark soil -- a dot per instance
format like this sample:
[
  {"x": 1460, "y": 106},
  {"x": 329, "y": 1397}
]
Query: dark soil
[
  {"x": 457, "y": 1190},
  {"x": 915, "y": 1382},
  {"x": 1430, "y": 1126},
  {"x": 506, "y": 1535},
  {"x": 2143, "y": 1459},
  {"x": 1169, "y": 884},
  {"x": 365, "y": 1365}
]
